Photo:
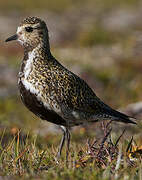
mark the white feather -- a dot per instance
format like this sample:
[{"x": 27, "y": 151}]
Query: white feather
[{"x": 75, "y": 114}]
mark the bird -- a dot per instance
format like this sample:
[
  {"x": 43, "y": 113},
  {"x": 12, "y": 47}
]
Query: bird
[{"x": 51, "y": 91}]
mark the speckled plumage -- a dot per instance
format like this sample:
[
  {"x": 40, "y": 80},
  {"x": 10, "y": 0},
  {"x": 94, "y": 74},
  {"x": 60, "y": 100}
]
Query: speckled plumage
[{"x": 51, "y": 91}]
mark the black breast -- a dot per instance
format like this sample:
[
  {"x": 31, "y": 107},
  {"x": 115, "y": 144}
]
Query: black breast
[{"x": 33, "y": 104}]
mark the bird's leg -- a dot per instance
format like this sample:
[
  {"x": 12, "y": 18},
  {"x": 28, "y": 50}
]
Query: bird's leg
[
  {"x": 68, "y": 143},
  {"x": 66, "y": 136},
  {"x": 62, "y": 142}
]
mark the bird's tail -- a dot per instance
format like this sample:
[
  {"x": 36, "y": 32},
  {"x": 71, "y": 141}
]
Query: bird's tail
[{"x": 118, "y": 116}]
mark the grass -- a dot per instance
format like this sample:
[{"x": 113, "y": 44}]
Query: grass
[{"x": 106, "y": 158}]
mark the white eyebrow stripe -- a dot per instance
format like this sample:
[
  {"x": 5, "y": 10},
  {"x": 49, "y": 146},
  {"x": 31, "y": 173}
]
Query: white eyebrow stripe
[{"x": 19, "y": 29}]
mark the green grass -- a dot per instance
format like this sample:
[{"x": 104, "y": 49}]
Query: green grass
[{"x": 21, "y": 155}]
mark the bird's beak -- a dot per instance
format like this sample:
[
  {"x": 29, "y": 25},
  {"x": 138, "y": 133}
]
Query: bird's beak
[{"x": 14, "y": 37}]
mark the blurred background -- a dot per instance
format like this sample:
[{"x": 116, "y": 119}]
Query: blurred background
[{"x": 100, "y": 40}]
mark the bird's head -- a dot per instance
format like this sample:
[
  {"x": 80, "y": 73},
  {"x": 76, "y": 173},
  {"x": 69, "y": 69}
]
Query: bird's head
[{"x": 31, "y": 32}]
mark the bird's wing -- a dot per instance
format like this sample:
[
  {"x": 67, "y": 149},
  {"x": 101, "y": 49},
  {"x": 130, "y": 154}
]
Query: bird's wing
[
  {"x": 77, "y": 100},
  {"x": 80, "y": 102},
  {"x": 77, "y": 95}
]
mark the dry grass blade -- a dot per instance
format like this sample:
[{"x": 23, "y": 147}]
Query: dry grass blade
[
  {"x": 103, "y": 141},
  {"x": 129, "y": 145},
  {"x": 119, "y": 138},
  {"x": 40, "y": 160}
]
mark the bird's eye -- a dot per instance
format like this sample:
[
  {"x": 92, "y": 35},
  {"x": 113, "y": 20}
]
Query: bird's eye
[{"x": 29, "y": 29}]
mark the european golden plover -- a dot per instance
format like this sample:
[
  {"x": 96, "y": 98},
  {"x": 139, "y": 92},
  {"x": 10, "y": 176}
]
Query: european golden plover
[{"x": 51, "y": 91}]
